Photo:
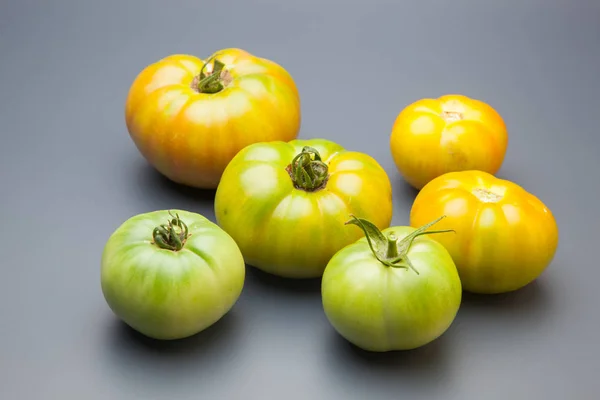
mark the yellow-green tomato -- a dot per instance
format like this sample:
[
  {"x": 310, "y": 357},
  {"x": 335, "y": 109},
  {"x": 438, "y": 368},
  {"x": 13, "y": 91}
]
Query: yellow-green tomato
[
  {"x": 171, "y": 274},
  {"x": 285, "y": 203},
  {"x": 391, "y": 290}
]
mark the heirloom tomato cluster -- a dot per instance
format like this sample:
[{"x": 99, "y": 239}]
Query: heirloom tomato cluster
[{"x": 311, "y": 208}]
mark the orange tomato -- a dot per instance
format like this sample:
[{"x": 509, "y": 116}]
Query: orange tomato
[
  {"x": 452, "y": 133},
  {"x": 505, "y": 237},
  {"x": 189, "y": 117}
]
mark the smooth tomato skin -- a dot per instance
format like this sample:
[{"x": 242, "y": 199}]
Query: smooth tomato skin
[
  {"x": 504, "y": 240},
  {"x": 189, "y": 136},
  {"x": 165, "y": 294},
  {"x": 379, "y": 308},
  {"x": 290, "y": 232},
  {"x": 451, "y": 133}
]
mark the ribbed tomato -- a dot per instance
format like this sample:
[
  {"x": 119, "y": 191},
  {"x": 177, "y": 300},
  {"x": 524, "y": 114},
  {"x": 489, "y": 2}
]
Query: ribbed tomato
[
  {"x": 452, "y": 133},
  {"x": 395, "y": 289},
  {"x": 505, "y": 236},
  {"x": 285, "y": 204},
  {"x": 171, "y": 274},
  {"x": 189, "y": 117}
]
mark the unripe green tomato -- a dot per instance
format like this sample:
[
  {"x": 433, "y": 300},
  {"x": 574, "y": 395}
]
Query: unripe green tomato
[
  {"x": 171, "y": 274},
  {"x": 394, "y": 289}
]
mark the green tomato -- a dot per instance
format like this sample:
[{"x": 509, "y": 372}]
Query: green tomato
[
  {"x": 171, "y": 275},
  {"x": 285, "y": 203},
  {"x": 391, "y": 290}
]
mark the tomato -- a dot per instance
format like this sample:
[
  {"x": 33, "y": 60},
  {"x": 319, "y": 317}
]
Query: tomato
[
  {"x": 505, "y": 236},
  {"x": 394, "y": 289},
  {"x": 170, "y": 275},
  {"x": 452, "y": 133},
  {"x": 189, "y": 117},
  {"x": 285, "y": 203}
]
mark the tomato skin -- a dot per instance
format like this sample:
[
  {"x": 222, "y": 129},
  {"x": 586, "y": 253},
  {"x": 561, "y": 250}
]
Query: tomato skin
[
  {"x": 379, "y": 308},
  {"x": 290, "y": 232},
  {"x": 505, "y": 238},
  {"x": 451, "y": 133},
  {"x": 190, "y": 136},
  {"x": 167, "y": 294}
]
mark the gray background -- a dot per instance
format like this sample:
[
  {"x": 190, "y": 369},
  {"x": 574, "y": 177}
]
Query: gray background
[{"x": 70, "y": 175}]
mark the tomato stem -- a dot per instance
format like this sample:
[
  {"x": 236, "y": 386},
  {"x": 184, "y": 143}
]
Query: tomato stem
[
  {"x": 308, "y": 171},
  {"x": 392, "y": 246},
  {"x": 388, "y": 250},
  {"x": 171, "y": 236},
  {"x": 213, "y": 82}
]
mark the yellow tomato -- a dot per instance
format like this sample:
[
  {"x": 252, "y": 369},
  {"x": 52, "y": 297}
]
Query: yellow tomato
[
  {"x": 505, "y": 236},
  {"x": 188, "y": 117},
  {"x": 452, "y": 133}
]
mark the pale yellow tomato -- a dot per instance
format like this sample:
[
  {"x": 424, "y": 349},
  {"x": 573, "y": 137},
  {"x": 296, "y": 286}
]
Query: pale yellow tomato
[{"x": 452, "y": 133}]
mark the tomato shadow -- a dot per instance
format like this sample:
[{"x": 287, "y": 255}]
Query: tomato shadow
[
  {"x": 404, "y": 196},
  {"x": 531, "y": 301},
  {"x": 164, "y": 193},
  {"x": 422, "y": 367},
  {"x": 276, "y": 284},
  {"x": 125, "y": 344},
  {"x": 133, "y": 360},
  {"x": 533, "y": 307}
]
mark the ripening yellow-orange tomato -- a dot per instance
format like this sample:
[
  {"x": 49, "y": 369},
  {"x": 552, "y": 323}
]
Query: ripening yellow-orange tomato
[
  {"x": 190, "y": 117},
  {"x": 505, "y": 237},
  {"x": 286, "y": 204},
  {"x": 451, "y": 133}
]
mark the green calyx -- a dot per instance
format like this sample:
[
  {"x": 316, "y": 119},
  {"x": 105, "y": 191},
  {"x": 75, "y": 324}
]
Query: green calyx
[
  {"x": 171, "y": 236},
  {"x": 308, "y": 171},
  {"x": 215, "y": 80},
  {"x": 387, "y": 249}
]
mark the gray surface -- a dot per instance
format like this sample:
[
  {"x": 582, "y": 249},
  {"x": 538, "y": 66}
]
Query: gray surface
[{"x": 70, "y": 175}]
